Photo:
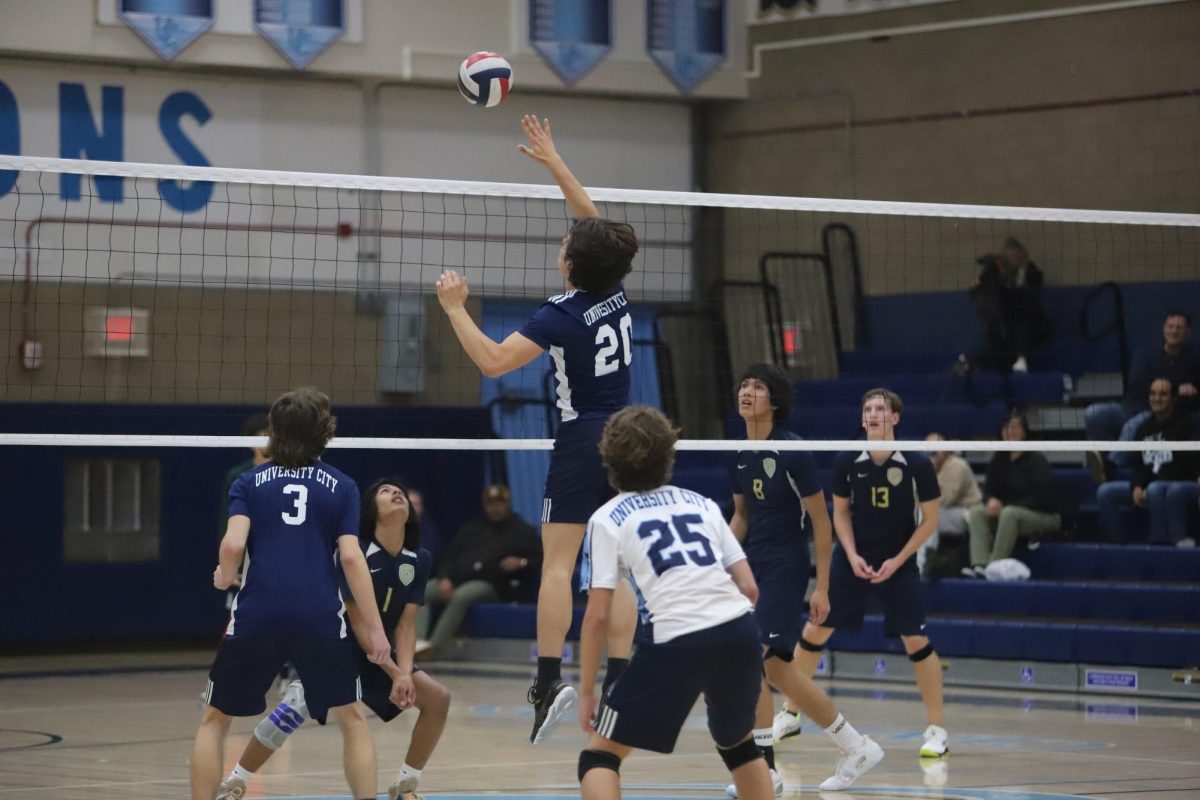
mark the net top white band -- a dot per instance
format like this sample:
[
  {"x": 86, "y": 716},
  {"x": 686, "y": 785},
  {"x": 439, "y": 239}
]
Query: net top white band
[
  {"x": 632, "y": 196},
  {"x": 707, "y": 445}
]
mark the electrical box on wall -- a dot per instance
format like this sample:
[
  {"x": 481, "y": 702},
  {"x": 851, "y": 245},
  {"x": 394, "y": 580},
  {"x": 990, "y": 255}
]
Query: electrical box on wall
[
  {"x": 402, "y": 344},
  {"x": 117, "y": 332}
]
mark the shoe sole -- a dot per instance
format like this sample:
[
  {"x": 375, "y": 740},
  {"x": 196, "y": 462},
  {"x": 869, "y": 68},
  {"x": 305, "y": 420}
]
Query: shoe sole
[
  {"x": 562, "y": 703},
  {"x": 934, "y": 755},
  {"x": 789, "y": 735}
]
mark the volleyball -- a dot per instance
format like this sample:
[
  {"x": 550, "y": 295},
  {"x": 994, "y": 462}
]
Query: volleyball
[{"x": 484, "y": 79}]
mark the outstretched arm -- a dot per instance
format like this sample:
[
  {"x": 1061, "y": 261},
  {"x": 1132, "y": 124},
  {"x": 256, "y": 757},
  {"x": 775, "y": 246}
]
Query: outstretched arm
[
  {"x": 493, "y": 358},
  {"x": 541, "y": 148}
]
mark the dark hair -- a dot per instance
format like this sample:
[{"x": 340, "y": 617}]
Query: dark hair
[
  {"x": 1171, "y": 383},
  {"x": 255, "y": 424},
  {"x": 300, "y": 427},
  {"x": 368, "y": 516},
  {"x": 601, "y": 253},
  {"x": 638, "y": 448},
  {"x": 1013, "y": 243},
  {"x": 1176, "y": 312},
  {"x": 1016, "y": 414},
  {"x": 894, "y": 403},
  {"x": 778, "y": 386}
]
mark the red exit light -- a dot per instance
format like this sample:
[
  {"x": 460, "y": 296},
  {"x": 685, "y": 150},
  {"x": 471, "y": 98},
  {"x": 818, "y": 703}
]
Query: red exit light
[{"x": 118, "y": 328}]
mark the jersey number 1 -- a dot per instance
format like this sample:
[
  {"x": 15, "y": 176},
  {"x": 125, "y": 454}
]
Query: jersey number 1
[
  {"x": 298, "y": 516},
  {"x": 608, "y": 360}
]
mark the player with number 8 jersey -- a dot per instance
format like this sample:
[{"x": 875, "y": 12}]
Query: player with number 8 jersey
[{"x": 588, "y": 332}]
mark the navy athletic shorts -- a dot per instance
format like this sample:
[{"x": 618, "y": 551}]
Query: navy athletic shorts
[
  {"x": 247, "y": 665},
  {"x": 901, "y": 597},
  {"x": 577, "y": 483},
  {"x": 647, "y": 707},
  {"x": 782, "y": 584},
  {"x": 376, "y": 689}
]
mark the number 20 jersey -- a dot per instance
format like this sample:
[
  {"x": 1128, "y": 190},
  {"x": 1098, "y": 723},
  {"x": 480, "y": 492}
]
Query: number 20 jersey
[
  {"x": 677, "y": 548},
  {"x": 290, "y": 584},
  {"x": 590, "y": 340}
]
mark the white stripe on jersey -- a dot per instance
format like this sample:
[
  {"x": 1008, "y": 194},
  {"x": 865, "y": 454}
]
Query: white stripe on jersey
[
  {"x": 564, "y": 386},
  {"x": 546, "y": 509},
  {"x": 677, "y": 548}
]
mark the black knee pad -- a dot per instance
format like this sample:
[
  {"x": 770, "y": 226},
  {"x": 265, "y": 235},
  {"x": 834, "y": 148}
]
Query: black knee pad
[
  {"x": 922, "y": 654},
  {"x": 597, "y": 759},
  {"x": 783, "y": 655},
  {"x": 810, "y": 647},
  {"x": 740, "y": 754}
]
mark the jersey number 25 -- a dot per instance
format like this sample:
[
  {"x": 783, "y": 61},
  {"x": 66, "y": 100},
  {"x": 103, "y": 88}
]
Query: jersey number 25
[
  {"x": 671, "y": 547},
  {"x": 607, "y": 358}
]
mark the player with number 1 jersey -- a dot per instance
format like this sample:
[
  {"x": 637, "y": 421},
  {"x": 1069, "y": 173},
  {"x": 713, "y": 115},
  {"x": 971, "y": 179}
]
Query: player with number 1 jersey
[{"x": 588, "y": 331}]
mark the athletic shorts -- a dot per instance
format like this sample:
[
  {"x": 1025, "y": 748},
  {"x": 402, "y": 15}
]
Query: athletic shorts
[
  {"x": 779, "y": 612},
  {"x": 647, "y": 707},
  {"x": 577, "y": 483},
  {"x": 247, "y": 665},
  {"x": 376, "y": 690},
  {"x": 901, "y": 597}
]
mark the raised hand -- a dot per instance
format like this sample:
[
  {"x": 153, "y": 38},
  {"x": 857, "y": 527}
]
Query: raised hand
[
  {"x": 541, "y": 143},
  {"x": 452, "y": 290}
]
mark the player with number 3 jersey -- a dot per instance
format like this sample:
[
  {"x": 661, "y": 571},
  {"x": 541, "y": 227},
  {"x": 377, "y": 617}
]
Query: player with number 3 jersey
[{"x": 587, "y": 331}]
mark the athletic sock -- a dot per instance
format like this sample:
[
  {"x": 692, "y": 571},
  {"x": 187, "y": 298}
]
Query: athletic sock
[
  {"x": 240, "y": 772},
  {"x": 408, "y": 772},
  {"x": 615, "y": 667},
  {"x": 549, "y": 672},
  {"x": 844, "y": 735},
  {"x": 765, "y": 738}
]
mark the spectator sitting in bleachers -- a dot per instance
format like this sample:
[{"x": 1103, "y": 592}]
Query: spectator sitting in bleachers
[
  {"x": 1008, "y": 297},
  {"x": 1175, "y": 359},
  {"x": 960, "y": 494},
  {"x": 1164, "y": 480},
  {"x": 1019, "y": 495},
  {"x": 494, "y": 557}
]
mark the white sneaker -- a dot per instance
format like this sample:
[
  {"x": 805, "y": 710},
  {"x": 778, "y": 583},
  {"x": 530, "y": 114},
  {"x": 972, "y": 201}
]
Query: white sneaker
[
  {"x": 937, "y": 742},
  {"x": 401, "y": 787},
  {"x": 853, "y": 765},
  {"x": 1020, "y": 365},
  {"x": 422, "y": 646},
  {"x": 776, "y": 780},
  {"x": 232, "y": 789},
  {"x": 786, "y": 725}
]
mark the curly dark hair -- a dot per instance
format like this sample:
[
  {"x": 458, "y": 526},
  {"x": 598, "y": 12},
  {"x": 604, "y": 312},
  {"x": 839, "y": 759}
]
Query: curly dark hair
[
  {"x": 300, "y": 425},
  {"x": 638, "y": 448},
  {"x": 600, "y": 253},
  {"x": 369, "y": 514},
  {"x": 778, "y": 385}
]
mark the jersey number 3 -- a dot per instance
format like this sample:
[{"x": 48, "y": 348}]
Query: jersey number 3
[
  {"x": 300, "y": 513},
  {"x": 670, "y": 549},
  {"x": 608, "y": 360}
]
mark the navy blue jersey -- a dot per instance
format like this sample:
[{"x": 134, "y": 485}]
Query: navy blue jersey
[
  {"x": 290, "y": 582},
  {"x": 772, "y": 484},
  {"x": 884, "y": 498},
  {"x": 398, "y": 580},
  {"x": 590, "y": 339}
]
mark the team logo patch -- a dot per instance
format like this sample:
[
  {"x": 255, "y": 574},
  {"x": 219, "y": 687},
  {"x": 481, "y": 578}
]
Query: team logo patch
[
  {"x": 769, "y": 467},
  {"x": 407, "y": 573},
  {"x": 895, "y": 475}
]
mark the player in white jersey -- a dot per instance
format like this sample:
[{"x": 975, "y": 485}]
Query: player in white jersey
[{"x": 698, "y": 590}]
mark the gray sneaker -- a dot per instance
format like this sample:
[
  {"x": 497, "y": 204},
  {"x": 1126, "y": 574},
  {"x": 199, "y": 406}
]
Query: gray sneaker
[{"x": 232, "y": 789}]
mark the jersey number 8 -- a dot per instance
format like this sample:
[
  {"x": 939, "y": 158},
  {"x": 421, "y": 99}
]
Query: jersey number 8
[
  {"x": 667, "y": 552},
  {"x": 608, "y": 360}
]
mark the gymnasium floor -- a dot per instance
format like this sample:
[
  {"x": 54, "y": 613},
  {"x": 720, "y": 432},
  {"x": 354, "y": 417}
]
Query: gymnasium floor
[{"x": 75, "y": 727}]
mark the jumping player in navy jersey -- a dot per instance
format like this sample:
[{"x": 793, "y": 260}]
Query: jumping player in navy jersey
[
  {"x": 885, "y": 505},
  {"x": 289, "y": 516},
  {"x": 588, "y": 332},
  {"x": 390, "y": 536},
  {"x": 698, "y": 590},
  {"x": 777, "y": 500}
]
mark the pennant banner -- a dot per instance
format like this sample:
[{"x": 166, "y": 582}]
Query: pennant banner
[
  {"x": 168, "y": 26},
  {"x": 686, "y": 38},
  {"x": 300, "y": 29},
  {"x": 571, "y": 35}
]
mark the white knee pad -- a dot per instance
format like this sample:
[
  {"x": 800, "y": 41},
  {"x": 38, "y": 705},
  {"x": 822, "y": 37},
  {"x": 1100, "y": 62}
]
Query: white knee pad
[{"x": 285, "y": 719}]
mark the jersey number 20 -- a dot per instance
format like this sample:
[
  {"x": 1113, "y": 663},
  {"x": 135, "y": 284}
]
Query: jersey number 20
[
  {"x": 607, "y": 358},
  {"x": 671, "y": 549}
]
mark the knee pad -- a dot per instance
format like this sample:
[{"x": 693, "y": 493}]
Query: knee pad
[
  {"x": 922, "y": 654},
  {"x": 810, "y": 647},
  {"x": 740, "y": 754},
  {"x": 598, "y": 759},
  {"x": 285, "y": 719},
  {"x": 785, "y": 656}
]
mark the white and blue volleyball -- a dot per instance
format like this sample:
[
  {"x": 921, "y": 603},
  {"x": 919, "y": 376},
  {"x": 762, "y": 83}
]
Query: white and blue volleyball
[{"x": 485, "y": 79}]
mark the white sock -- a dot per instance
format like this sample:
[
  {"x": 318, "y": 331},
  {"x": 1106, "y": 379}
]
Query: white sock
[
  {"x": 764, "y": 737},
  {"x": 239, "y": 772},
  {"x": 844, "y": 735},
  {"x": 409, "y": 772}
]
